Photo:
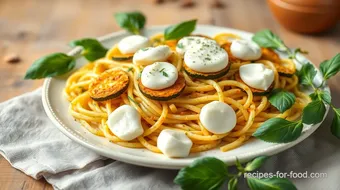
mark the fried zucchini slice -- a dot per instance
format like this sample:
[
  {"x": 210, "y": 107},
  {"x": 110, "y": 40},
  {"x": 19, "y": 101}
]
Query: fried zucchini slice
[
  {"x": 164, "y": 94},
  {"x": 110, "y": 84},
  {"x": 284, "y": 68},
  {"x": 200, "y": 75},
  {"x": 232, "y": 59},
  {"x": 256, "y": 92},
  {"x": 118, "y": 56}
]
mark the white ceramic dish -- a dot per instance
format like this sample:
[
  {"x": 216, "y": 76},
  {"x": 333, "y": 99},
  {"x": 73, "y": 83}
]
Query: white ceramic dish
[{"x": 56, "y": 107}]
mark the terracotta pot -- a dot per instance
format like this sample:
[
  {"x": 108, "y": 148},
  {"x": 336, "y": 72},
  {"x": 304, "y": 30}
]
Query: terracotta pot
[{"x": 306, "y": 16}]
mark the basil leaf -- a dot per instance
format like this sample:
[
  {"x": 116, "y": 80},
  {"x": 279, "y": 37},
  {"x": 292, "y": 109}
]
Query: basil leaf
[
  {"x": 307, "y": 74},
  {"x": 321, "y": 95},
  {"x": 335, "y": 127},
  {"x": 92, "y": 49},
  {"x": 232, "y": 184},
  {"x": 270, "y": 184},
  {"x": 179, "y": 30},
  {"x": 256, "y": 163},
  {"x": 51, "y": 65},
  {"x": 239, "y": 165},
  {"x": 205, "y": 173},
  {"x": 281, "y": 99},
  {"x": 131, "y": 21},
  {"x": 268, "y": 39},
  {"x": 314, "y": 112},
  {"x": 330, "y": 67},
  {"x": 279, "y": 130}
]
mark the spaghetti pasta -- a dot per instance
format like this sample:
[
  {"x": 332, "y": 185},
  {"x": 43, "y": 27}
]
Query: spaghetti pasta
[{"x": 181, "y": 113}]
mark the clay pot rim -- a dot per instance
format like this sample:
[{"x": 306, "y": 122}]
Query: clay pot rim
[
  {"x": 309, "y": 4},
  {"x": 302, "y": 8}
]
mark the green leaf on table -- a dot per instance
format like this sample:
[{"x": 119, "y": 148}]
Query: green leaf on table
[
  {"x": 306, "y": 74},
  {"x": 282, "y": 99},
  {"x": 232, "y": 184},
  {"x": 314, "y": 112},
  {"x": 239, "y": 165},
  {"x": 279, "y": 130},
  {"x": 131, "y": 21},
  {"x": 335, "y": 127},
  {"x": 274, "y": 183},
  {"x": 55, "y": 64},
  {"x": 330, "y": 67},
  {"x": 256, "y": 163},
  {"x": 179, "y": 30},
  {"x": 266, "y": 38},
  {"x": 92, "y": 49},
  {"x": 204, "y": 173},
  {"x": 321, "y": 95}
]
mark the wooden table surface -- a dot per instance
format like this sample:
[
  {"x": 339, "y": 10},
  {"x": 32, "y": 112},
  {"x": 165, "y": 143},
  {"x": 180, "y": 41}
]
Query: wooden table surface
[{"x": 32, "y": 28}]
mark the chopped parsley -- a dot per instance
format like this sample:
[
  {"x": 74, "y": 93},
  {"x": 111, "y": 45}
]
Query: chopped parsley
[
  {"x": 130, "y": 69},
  {"x": 180, "y": 45},
  {"x": 162, "y": 70},
  {"x": 132, "y": 100},
  {"x": 165, "y": 74},
  {"x": 144, "y": 49},
  {"x": 207, "y": 58}
]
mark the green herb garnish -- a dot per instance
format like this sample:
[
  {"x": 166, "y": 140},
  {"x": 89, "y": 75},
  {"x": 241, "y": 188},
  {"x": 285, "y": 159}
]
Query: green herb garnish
[
  {"x": 51, "y": 65},
  {"x": 179, "y": 30},
  {"x": 132, "y": 100},
  {"x": 131, "y": 21},
  {"x": 282, "y": 99},
  {"x": 180, "y": 45},
  {"x": 280, "y": 130},
  {"x": 92, "y": 49},
  {"x": 211, "y": 173},
  {"x": 165, "y": 74}
]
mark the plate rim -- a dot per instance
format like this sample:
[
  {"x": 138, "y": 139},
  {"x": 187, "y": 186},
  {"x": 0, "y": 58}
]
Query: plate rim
[{"x": 164, "y": 164}]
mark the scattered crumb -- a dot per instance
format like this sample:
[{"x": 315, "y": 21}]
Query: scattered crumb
[
  {"x": 217, "y": 4},
  {"x": 12, "y": 58},
  {"x": 188, "y": 3}
]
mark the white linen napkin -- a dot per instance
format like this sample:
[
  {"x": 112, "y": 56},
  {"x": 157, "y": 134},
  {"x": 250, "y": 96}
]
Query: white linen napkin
[{"x": 30, "y": 142}]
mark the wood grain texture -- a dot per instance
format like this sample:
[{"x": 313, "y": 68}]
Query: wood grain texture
[{"x": 32, "y": 28}]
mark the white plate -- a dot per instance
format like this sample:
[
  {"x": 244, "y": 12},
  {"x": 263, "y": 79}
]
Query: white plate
[{"x": 56, "y": 107}]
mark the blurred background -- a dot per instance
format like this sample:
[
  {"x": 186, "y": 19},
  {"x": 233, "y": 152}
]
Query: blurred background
[{"x": 30, "y": 29}]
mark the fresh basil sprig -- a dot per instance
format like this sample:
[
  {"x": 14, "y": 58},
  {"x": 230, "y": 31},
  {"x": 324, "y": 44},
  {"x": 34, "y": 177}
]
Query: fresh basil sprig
[
  {"x": 179, "y": 30},
  {"x": 57, "y": 64},
  {"x": 204, "y": 173},
  {"x": 335, "y": 129},
  {"x": 279, "y": 130},
  {"x": 211, "y": 173},
  {"x": 268, "y": 39},
  {"x": 274, "y": 183},
  {"x": 282, "y": 99},
  {"x": 131, "y": 21},
  {"x": 306, "y": 74},
  {"x": 92, "y": 49},
  {"x": 314, "y": 112}
]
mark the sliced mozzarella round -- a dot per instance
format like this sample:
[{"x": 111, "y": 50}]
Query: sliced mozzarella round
[
  {"x": 245, "y": 50},
  {"x": 256, "y": 75},
  {"x": 174, "y": 143},
  {"x": 133, "y": 43},
  {"x": 218, "y": 117},
  {"x": 193, "y": 42},
  {"x": 147, "y": 56},
  {"x": 125, "y": 123},
  {"x": 159, "y": 75},
  {"x": 207, "y": 59}
]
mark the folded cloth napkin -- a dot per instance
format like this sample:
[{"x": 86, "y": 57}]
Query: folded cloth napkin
[{"x": 30, "y": 142}]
